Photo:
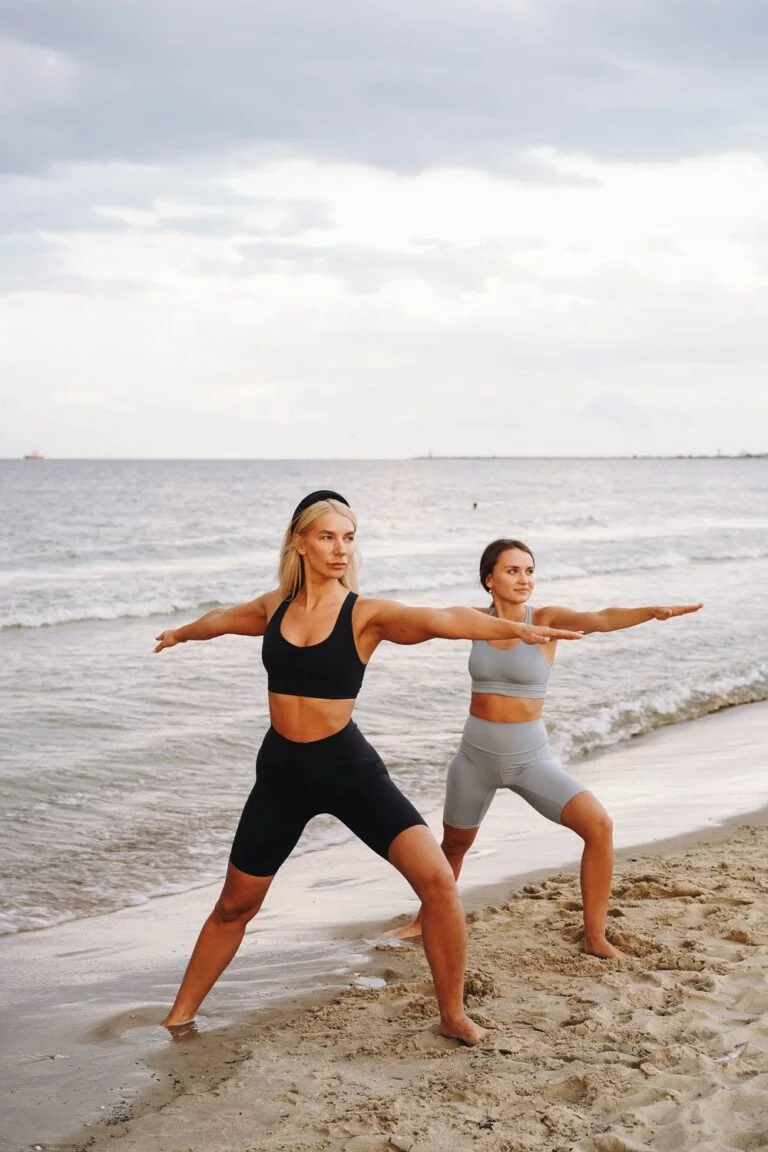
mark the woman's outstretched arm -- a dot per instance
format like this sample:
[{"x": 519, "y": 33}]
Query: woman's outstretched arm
[
  {"x": 402, "y": 624},
  {"x": 249, "y": 619},
  {"x": 610, "y": 619}
]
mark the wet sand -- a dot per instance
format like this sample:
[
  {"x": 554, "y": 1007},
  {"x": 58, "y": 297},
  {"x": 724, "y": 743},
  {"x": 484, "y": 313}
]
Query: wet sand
[{"x": 278, "y": 1065}]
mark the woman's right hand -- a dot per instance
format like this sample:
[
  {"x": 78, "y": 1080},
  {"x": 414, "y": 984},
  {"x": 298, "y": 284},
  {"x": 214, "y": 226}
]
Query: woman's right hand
[{"x": 167, "y": 639}]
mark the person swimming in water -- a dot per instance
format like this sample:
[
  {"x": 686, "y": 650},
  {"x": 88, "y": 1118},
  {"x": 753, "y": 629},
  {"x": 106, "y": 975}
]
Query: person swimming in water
[
  {"x": 504, "y": 743},
  {"x": 318, "y": 639}
]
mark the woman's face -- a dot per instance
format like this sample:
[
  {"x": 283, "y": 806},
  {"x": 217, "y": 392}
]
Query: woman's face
[
  {"x": 512, "y": 576},
  {"x": 328, "y": 545}
]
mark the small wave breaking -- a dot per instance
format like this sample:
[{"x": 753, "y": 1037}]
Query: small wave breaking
[
  {"x": 418, "y": 578},
  {"x": 624, "y": 720}
]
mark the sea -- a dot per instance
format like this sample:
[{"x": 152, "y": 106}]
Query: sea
[{"x": 124, "y": 772}]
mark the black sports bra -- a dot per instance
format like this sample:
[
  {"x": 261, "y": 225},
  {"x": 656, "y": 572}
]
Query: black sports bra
[{"x": 330, "y": 670}]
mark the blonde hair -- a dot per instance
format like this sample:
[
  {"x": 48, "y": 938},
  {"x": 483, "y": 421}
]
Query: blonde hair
[{"x": 290, "y": 569}]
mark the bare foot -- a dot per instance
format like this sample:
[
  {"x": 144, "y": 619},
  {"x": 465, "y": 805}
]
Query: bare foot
[
  {"x": 410, "y": 931},
  {"x": 181, "y": 1031},
  {"x": 464, "y": 1030},
  {"x": 599, "y": 946}
]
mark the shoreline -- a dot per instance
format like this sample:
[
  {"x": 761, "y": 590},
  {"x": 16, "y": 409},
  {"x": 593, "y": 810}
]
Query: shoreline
[
  {"x": 581, "y": 767},
  {"x": 85, "y": 997}
]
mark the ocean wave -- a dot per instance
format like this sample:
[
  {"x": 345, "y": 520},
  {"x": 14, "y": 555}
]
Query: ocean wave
[
  {"x": 95, "y": 899},
  {"x": 606, "y": 567},
  {"x": 553, "y": 572},
  {"x": 433, "y": 572},
  {"x": 134, "y": 554},
  {"x": 25, "y": 919},
  {"x": 102, "y": 612},
  {"x": 624, "y": 720}
]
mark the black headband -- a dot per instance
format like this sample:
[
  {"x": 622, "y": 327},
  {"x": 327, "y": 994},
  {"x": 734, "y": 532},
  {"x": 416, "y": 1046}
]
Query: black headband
[{"x": 315, "y": 498}]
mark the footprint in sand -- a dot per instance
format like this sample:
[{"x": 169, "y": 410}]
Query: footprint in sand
[
  {"x": 570, "y": 1091},
  {"x": 700, "y": 983},
  {"x": 651, "y": 890},
  {"x": 432, "y": 1041},
  {"x": 631, "y": 944}
]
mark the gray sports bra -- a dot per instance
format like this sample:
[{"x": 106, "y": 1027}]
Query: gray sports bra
[{"x": 520, "y": 671}]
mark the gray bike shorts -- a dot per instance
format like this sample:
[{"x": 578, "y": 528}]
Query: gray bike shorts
[{"x": 514, "y": 756}]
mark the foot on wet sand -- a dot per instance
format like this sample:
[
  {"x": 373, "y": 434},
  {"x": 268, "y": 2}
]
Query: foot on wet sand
[
  {"x": 599, "y": 946},
  {"x": 464, "y": 1030},
  {"x": 410, "y": 931},
  {"x": 181, "y": 1031}
]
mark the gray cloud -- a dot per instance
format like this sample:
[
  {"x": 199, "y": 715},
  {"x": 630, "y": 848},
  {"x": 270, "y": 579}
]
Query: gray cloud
[
  {"x": 397, "y": 85},
  {"x": 132, "y": 120},
  {"x": 101, "y": 199},
  {"x": 69, "y": 199}
]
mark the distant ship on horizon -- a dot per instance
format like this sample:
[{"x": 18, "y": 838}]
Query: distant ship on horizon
[{"x": 34, "y": 455}]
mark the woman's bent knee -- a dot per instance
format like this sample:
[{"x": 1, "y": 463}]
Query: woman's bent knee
[
  {"x": 231, "y": 912},
  {"x": 437, "y": 884},
  {"x": 599, "y": 829},
  {"x": 459, "y": 842},
  {"x": 585, "y": 816}
]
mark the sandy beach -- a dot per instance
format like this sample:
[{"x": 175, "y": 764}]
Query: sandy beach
[
  {"x": 666, "y": 1049},
  {"x": 323, "y": 1036}
]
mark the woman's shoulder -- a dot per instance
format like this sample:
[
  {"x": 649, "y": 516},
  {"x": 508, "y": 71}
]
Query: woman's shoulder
[
  {"x": 369, "y": 607},
  {"x": 545, "y": 614},
  {"x": 271, "y": 601},
  {"x": 378, "y": 610}
]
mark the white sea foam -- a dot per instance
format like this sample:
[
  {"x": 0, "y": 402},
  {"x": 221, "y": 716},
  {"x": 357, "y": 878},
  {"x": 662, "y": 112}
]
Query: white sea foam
[
  {"x": 627, "y": 718},
  {"x": 96, "y": 612}
]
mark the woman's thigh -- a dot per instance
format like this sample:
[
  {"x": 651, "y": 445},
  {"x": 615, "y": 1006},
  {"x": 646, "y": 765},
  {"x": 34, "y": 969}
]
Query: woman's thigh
[
  {"x": 472, "y": 781},
  {"x": 372, "y": 806},
  {"x": 270, "y": 826},
  {"x": 544, "y": 784}
]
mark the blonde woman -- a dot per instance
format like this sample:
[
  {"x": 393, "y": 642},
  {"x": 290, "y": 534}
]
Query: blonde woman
[{"x": 318, "y": 639}]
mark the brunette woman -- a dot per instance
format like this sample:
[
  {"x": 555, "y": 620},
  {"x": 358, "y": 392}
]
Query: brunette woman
[{"x": 504, "y": 743}]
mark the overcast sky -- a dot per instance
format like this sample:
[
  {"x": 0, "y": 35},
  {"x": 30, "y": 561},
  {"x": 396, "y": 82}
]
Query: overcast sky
[{"x": 242, "y": 228}]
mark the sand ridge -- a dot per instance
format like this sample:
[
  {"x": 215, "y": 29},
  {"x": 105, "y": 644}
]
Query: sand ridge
[{"x": 663, "y": 1049}]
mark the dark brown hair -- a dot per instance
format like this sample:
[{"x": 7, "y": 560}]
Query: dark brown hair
[{"x": 493, "y": 551}]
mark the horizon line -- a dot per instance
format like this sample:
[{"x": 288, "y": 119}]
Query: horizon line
[{"x": 742, "y": 455}]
